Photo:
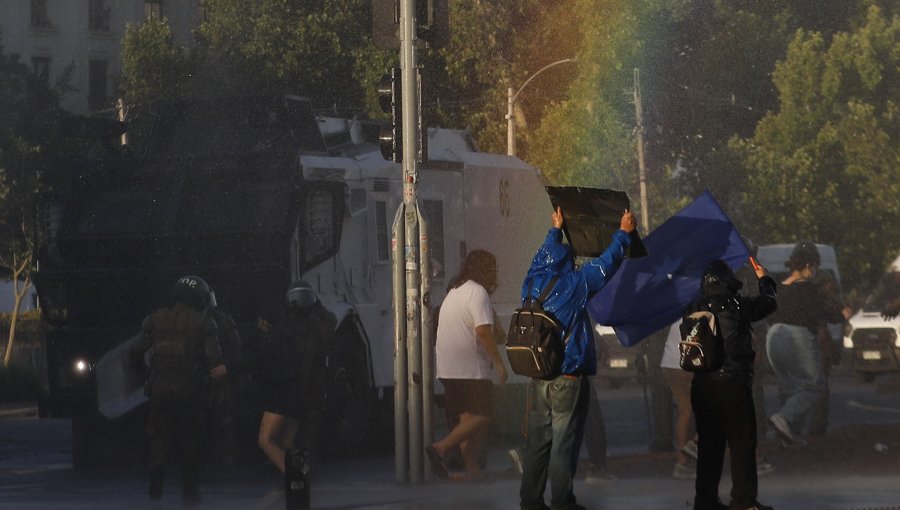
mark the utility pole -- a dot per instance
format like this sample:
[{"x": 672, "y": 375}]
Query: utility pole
[
  {"x": 639, "y": 119},
  {"x": 407, "y": 26}
]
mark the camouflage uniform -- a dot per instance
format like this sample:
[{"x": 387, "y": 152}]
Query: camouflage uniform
[{"x": 184, "y": 347}]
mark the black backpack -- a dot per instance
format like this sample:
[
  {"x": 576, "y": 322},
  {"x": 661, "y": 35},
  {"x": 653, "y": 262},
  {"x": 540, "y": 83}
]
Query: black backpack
[
  {"x": 534, "y": 345},
  {"x": 701, "y": 344}
]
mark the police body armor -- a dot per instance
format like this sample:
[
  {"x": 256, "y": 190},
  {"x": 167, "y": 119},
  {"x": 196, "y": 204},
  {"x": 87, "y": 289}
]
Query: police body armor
[{"x": 177, "y": 352}]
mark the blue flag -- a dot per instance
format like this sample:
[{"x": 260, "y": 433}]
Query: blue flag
[{"x": 650, "y": 293}]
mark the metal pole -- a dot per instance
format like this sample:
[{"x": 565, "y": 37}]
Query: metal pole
[
  {"x": 427, "y": 341},
  {"x": 411, "y": 237},
  {"x": 639, "y": 117},
  {"x": 510, "y": 123},
  {"x": 414, "y": 347},
  {"x": 511, "y": 102},
  {"x": 401, "y": 446}
]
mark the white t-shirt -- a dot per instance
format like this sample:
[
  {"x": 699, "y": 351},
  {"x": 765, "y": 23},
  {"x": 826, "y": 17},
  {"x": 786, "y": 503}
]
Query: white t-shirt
[
  {"x": 458, "y": 355},
  {"x": 671, "y": 356}
]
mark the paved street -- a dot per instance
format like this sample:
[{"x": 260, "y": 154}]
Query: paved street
[{"x": 840, "y": 471}]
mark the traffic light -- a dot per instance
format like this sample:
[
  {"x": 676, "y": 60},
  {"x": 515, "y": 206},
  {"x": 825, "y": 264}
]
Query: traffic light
[
  {"x": 432, "y": 23},
  {"x": 390, "y": 138}
]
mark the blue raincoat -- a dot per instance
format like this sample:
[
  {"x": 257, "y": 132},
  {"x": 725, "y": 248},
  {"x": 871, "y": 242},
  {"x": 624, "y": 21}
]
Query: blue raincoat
[{"x": 569, "y": 297}]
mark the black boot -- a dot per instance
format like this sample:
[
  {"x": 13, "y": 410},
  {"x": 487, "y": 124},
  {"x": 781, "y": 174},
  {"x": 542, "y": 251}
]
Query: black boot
[{"x": 157, "y": 479}]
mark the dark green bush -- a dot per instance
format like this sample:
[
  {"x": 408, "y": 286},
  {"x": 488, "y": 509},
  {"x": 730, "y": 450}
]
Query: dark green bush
[{"x": 20, "y": 384}]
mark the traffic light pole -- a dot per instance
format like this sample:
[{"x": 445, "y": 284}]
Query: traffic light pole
[{"x": 412, "y": 343}]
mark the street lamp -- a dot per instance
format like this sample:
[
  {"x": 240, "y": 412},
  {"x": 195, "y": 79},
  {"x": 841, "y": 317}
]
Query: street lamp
[{"x": 511, "y": 101}]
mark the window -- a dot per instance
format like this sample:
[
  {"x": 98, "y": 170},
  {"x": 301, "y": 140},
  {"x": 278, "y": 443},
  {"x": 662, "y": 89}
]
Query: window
[
  {"x": 41, "y": 67},
  {"x": 381, "y": 231},
  {"x": 98, "y": 15},
  {"x": 39, "y": 15},
  {"x": 434, "y": 215},
  {"x": 153, "y": 9},
  {"x": 97, "y": 84},
  {"x": 319, "y": 225}
]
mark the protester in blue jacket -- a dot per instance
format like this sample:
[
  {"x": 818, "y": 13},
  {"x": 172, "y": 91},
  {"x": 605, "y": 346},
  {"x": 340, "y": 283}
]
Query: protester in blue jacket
[{"x": 558, "y": 407}]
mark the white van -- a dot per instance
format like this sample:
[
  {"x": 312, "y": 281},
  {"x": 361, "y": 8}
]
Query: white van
[{"x": 874, "y": 340}]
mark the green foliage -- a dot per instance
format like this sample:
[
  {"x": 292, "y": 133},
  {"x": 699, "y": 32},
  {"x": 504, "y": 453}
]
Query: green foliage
[
  {"x": 825, "y": 165},
  {"x": 153, "y": 66},
  {"x": 30, "y": 150},
  {"x": 20, "y": 384},
  {"x": 315, "y": 49}
]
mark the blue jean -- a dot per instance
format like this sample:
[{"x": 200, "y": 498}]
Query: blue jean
[
  {"x": 797, "y": 364},
  {"x": 556, "y": 417}
]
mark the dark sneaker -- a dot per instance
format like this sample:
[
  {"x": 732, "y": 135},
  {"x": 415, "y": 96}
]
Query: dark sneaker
[{"x": 157, "y": 480}]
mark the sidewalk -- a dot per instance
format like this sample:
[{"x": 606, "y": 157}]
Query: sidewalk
[{"x": 839, "y": 471}]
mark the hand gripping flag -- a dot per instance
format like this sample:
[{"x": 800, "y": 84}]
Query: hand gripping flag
[{"x": 650, "y": 293}]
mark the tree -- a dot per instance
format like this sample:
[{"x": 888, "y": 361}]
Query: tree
[
  {"x": 825, "y": 165},
  {"x": 153, "y": 66},
  {"x": 29, "y": 149}
]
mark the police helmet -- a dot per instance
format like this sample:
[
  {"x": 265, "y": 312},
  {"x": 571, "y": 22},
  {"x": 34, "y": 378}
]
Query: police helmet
[
  {"x": 191, "y": 290},
  {"x": 719, "y": 278},
  {"x": 301, "y": 294}
]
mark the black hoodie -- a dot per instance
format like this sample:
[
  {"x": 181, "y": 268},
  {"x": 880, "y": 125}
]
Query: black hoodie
[{"x": 734, "y": 314}]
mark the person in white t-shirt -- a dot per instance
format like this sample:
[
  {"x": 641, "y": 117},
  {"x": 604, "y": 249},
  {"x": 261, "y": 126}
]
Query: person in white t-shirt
[
  {"x": 466, "y": 358},
  {"x": 679, "y": 382}
]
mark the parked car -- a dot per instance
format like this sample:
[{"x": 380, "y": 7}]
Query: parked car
[
  {"x": 873, "y": 338},
  {"x": 620, "y": 362}
]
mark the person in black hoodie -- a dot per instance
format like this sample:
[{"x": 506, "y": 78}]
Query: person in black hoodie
[{"x": 722, "y": 400}]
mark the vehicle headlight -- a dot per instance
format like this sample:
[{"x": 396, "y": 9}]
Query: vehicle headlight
[{"x": 81, "y": 366}]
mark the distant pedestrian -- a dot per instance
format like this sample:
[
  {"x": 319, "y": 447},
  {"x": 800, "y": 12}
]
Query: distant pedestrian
[
  {"x": 184, "y": 357},
  {"x": 679, "y": 382},
  {"x": 558, "y": 407},
  {"x": 466, "y": 358},
  {"x": 722, "y": 400},
  {"x": 793, "y": 346}
]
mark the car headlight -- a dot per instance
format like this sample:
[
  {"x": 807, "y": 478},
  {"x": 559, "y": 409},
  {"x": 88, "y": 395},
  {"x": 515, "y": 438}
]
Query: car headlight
[{"x": 81, "y": 366}]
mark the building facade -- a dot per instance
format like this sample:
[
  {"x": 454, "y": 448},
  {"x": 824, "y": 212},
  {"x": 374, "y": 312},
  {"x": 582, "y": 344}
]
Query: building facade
[{"x": 76, "y": 45}]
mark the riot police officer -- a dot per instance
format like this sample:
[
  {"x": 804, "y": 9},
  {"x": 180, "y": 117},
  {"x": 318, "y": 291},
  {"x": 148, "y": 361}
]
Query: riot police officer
[
  {"x": 290, "y": 373},
  {"x": 184, "y": 356}
]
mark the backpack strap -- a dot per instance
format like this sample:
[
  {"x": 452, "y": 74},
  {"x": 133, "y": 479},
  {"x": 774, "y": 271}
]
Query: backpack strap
[{"x": 547, "y": 289}]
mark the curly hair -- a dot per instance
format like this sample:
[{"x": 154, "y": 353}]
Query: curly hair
[
  {"x": 805, "y": 254},
  {"x": 480, "y": 266}
]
